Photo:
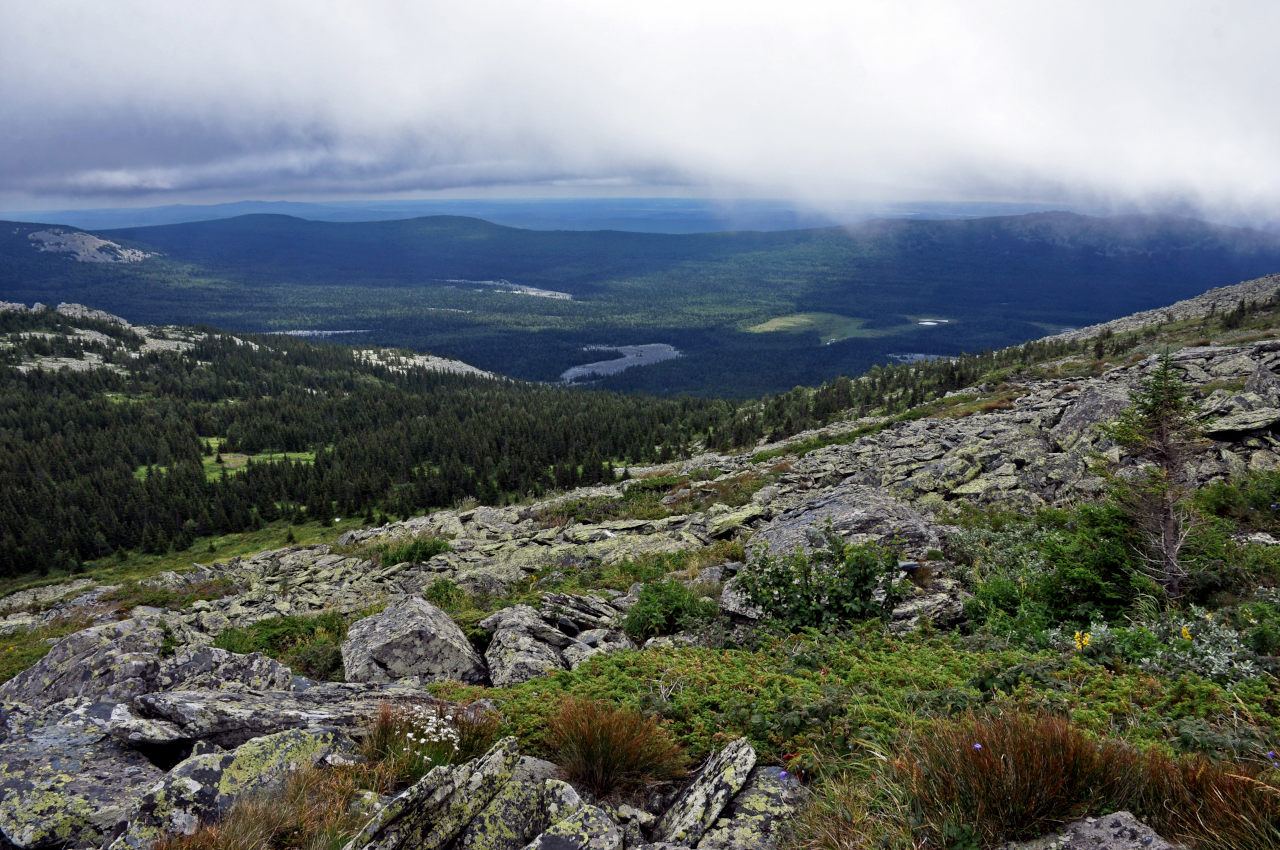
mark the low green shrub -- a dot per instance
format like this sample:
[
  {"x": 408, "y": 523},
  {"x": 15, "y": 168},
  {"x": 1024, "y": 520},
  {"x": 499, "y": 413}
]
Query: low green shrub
[
  {"x": 825, "y": 587},
  {"x": 131, "y": 593},
  {"x": 665, "y": 607},
  {"x": 607, "y": 747},
  {"x": 312, "y": 646},
  {"x": 1252, "y": 502}
]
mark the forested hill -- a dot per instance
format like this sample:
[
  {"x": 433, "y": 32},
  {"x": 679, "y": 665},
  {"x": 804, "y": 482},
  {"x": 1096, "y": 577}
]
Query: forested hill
[
  {"x": 750, "y": 313},
  {"x": 116, "y": 437}
]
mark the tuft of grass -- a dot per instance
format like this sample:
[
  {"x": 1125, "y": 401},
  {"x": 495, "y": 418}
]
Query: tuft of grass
[
  {"x": 994, "y": 778},
  {"x": 312, "y": 646},
  {"x": 608, "y": 748},
  {"x": 1009, "y": 777},
  {"x": 417, "y": 550}
]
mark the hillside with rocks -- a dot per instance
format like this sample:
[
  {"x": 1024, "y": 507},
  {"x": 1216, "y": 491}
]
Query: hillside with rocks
[{"x": 138, "y": 723}]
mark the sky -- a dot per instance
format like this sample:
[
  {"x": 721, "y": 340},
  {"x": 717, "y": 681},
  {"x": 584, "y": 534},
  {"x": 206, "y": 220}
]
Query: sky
[{"x": 1130, "y": 103}]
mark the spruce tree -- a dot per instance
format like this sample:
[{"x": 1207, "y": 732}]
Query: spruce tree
[{"x": 1159, "y": 429}]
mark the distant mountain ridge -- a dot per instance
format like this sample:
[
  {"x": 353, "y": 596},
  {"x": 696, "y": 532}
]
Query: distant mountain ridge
[{"x": 798, "y": 306}]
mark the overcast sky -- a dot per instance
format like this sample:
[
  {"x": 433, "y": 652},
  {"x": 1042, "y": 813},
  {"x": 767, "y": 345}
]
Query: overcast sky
[{"x": 132, "y": 101}]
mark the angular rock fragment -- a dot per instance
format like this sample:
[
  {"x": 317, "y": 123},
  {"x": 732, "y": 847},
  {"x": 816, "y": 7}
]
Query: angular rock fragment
[
  {"x": 410, "y": 638},
  {"x": 431, "y": 813},
  {"x": 204, "y": 786},
  {"x": 717, "y": 781},
  {"x": 754, "y": 819},
  {"x": 113, "y": 661}
]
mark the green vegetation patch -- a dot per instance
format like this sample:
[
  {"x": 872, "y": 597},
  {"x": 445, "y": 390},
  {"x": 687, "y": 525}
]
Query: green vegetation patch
[
  {"x": 805, "y": 701},
  {"x": 132, "y": 593},
  {"x": 312, "y": 646},
  {"x": 830, "y": 327}
]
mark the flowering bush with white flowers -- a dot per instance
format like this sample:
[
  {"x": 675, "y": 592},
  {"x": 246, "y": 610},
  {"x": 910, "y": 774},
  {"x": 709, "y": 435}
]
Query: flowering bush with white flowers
[{"x": 413, "y": 737}]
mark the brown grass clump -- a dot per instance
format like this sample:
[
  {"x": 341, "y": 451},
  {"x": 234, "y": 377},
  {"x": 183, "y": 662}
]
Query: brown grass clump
[
  {"x": 608, "y": 748},
  {"x": 317, "y": 809},
  {"x": 1012, "y": 777}
]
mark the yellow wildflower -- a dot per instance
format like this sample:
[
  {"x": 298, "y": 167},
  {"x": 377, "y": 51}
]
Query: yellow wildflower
[
  {"x": 1186, "y": 633},
  {"x": 1082, "y": 640}
]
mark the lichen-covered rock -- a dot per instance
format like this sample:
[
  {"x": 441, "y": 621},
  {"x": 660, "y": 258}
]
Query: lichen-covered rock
[
  {"x": 753, "y": 820},
  {"x": 595, "y": 642},
  {"x": 698, "y": 806},
  {"x": 113, "y": 661},
  {"x": 731, "y": 521},
  {"x": 522, "y": 618},
  {"x": 410, "y": 638},
  {"x": 515, "y": 656},
  {"x": 229, "y": 718},
  {"x": 586, "y": 612},
  {"x": 857, "y": 513},
  {"x": 524, "y": 807},
  {"x": 176, "y": 804},
  {"x": 734, "y": 601},
  {"x": 941, "y": 605},
  {"x": 589, "y": 828},
  {"x": 63, "y": 781},
  {"x": 431, "y": 813},
  {"x": 1120, "y": 831},
  {"x": 204, "y": 786},
  {"x": 206, "y": 667}
]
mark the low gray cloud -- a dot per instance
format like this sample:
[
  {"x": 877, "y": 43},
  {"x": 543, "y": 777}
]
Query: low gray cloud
[{"x": 822, "y": 102}]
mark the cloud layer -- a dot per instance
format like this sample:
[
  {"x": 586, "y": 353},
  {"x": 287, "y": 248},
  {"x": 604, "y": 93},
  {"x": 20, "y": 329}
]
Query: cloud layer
[{"x": 1134, "y": 101}]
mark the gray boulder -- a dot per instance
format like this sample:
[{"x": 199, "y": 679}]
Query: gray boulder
[
  {"x": 206, "y": 667},
  {"x": 522, "y": 618},
  {"x": 595, "y": 642},
  {"x": 942, "y": 605},
  {"x": 585, "y": 612},
  {"x": 528, "y": 804},
  {"x": 431, "y": 813},
  {"x": 515, "y": 656},
  {"x": 734, "y": 601},
  {"x": 410, "y": 638},
  {"x": 857, "y": 513},
  {"x": 696, "y": 808},
  {"x": 64, "y": 782},
  {"x": 1120, "y": 831},
  {"x": 228, "y": 718},
  {"x": 113, "y": 661}
]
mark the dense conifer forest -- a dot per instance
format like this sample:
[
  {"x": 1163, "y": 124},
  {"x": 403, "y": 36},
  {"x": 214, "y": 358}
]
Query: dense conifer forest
[{"x": 153, "y": 450}]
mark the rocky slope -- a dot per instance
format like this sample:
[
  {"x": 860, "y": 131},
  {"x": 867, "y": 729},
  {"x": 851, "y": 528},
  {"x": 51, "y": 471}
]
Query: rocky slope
[{"x": 135, "y": 726}]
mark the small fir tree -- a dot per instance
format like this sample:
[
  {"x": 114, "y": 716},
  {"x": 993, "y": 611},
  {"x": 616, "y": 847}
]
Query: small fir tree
[{"x": 1159, "y": 428}]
